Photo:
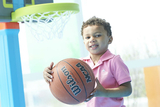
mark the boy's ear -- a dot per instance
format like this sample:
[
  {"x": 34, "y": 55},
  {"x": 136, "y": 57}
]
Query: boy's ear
[{"x": 110, "y": 39}]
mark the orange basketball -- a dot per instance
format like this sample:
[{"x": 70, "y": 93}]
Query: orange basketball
[{"x": 73, "y": 81}]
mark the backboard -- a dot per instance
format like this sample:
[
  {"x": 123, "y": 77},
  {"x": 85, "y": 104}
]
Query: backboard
[{"x": 6, "y": 7}]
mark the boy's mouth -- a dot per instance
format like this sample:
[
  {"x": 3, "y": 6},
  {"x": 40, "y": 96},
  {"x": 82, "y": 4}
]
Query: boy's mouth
[{"x": 94, "y": 46}]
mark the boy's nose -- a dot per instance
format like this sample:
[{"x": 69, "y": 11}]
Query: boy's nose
[{"x": 92, "y": 39}]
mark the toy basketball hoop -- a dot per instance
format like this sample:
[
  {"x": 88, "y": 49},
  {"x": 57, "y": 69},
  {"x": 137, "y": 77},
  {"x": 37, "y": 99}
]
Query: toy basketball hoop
[{"x": 46, "y": 20}]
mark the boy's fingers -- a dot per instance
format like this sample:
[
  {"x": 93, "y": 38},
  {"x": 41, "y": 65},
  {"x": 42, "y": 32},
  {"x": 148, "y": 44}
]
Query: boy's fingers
[
  {"x": 51, "y": 66},
  {"x": 48, "y": 70},
  {"x": 47, "y": 73},
  {"x": 97, "y": 80},
  {"x": 47, "y": 81},
  {"x": 90, "y": 97},
  {"x": 48, "y": 77}
]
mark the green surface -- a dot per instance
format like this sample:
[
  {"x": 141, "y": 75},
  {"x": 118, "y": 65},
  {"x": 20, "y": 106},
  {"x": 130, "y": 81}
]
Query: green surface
[{"x": 41, "y": 8}]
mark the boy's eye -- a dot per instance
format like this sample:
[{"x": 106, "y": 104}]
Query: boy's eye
[
  {"x": 97, "y": 35},
  {"x": 87, "y": 37}
]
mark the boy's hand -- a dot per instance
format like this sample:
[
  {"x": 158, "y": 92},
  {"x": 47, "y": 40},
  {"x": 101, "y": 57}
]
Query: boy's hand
[
  {"x": 97, "y": 91},
  {"x": 47, "y": 73}
]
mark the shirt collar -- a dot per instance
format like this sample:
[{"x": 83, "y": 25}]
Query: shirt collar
[{"x": 107, "y": 55}]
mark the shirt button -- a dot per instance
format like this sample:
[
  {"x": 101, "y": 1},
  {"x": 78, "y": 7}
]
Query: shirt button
[{"x": 103, "y": 70}]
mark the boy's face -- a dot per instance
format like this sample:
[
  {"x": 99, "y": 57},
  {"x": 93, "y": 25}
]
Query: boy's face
[{"x": 96, "y": 39}]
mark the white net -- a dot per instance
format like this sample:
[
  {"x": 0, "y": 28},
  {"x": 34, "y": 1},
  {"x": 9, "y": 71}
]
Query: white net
[{"x": 47, "y": 25}]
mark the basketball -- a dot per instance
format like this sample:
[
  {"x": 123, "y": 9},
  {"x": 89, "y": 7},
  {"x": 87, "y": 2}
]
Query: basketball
[{"x": 73, "y": 81}]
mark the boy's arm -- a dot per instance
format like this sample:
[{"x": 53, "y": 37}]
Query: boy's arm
[{"x": 123, "y": 90}]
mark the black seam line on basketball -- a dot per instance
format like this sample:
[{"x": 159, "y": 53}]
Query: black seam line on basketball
[
  {"x": 89, "y": 68},
  {"x": 65, "y": 87},
  {"x": 53, "y": 92},
  {"x": 79, "y": 77}
]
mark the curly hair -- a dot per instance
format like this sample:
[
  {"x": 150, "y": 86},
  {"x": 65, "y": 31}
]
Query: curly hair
[{"x": 99, "y": 22}]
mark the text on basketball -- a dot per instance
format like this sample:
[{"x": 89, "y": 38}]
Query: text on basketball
[
  {"x": 85, "y": 72},
  {"x": 71, "y": 82}
]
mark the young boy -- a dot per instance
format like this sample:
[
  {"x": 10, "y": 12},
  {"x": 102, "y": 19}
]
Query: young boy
[{"x": 112, "y": 75}]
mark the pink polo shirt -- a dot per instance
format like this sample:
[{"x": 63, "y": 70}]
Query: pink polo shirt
[{"x": 111, "y": 72}]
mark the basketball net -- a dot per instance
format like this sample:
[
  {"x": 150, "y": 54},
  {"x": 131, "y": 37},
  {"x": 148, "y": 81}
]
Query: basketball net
[{"x": 48, "y": 24}]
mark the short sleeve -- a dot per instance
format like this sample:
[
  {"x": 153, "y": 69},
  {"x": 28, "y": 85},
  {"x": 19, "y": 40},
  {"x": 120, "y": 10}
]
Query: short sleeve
[{"x": 120, "y": 70}]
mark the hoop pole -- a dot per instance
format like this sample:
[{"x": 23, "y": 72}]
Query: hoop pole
[
  {"x": 17, "y": 4},
  {"x": 11, "y": 82}
]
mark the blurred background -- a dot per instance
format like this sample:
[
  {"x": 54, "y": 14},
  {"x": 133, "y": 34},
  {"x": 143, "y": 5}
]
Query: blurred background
[{"x": 136, "y": 38}]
